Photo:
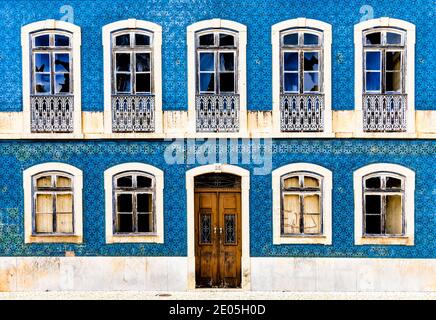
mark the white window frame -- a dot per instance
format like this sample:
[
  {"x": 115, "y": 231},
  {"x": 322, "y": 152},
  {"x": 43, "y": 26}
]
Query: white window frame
[
  {"x": 409, "y": 32},
  {"x": 327, "y": 183},
  {"x": 326, "y": 30},
  {"x": 51, "y": 26},
  {"x": 408, "y": 205},
  {"x": 28, "y": 174},
  {"x": 158, "y": 174},
  {"x": 156, "y": 31},
  {"x": 241, "y": 34}
]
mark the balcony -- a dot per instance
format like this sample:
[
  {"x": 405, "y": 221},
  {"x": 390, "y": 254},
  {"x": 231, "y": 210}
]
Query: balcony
[
  {"x": 133, "y": 113},
  {"x": 384, "y": 112},
  {"x": 217, "y": 113},
  {"x": 51, "y": 113},
  {"x": 302, "y": 112}
]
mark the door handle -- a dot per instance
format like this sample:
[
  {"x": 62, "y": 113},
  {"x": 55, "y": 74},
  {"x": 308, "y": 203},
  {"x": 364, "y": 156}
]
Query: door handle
[{"x": 214, "y": 230}]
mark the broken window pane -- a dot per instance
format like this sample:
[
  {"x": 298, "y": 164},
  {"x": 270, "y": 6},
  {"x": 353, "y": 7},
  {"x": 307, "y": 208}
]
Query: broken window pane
[
  {"x": 144, "y": 182},
  {"x": 62, "y": 62},
  {"x": 42, "y": 62},
  {"x": 291, "y": 214},
  {"x": 393, "y": 183},
  {"x": 394, "y": 214},
  {"x": 373, "y": 38},
  {"x": 311, "y": 81},
  {"x": 62, "y": 41},
  {"x": 124, "y": 203},
  {"x": 62, "y": 83},
  {"x": 311, "y": 62},
  {"x": 42, "y": 83}
]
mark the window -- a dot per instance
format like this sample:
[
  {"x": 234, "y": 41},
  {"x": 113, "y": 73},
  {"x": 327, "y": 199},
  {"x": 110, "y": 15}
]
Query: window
[
  {"x": 385, "y": 75},
  {"x": 53, "y": 208},
  {"x": 51, "y": 77},
  {"x": 302, "y": 204},
  {"x": 134, "y": 203},
  {"x": 133, "y": 77},
  {"x": 217, "y": 77},
  {"x": 301, "y": 76},
  {"x": 385, "y": 204}
]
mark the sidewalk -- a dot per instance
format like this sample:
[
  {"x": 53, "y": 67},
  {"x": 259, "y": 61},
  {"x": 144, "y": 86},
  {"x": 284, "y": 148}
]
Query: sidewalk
[{"x": 215, "y": 295}]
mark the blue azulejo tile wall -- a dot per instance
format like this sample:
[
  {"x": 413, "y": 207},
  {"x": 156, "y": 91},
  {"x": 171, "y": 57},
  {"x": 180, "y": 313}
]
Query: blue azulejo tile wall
[
  {"x": 176, "y": 15},
  {"x": 342, "y": 157}
]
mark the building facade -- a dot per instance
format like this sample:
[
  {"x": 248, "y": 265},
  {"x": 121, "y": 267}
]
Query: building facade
[{"x": 175, "y": 145}]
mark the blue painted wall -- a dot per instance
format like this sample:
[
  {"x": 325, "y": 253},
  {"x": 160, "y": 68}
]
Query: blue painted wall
[
  {"x": 343, "y": 157},
  {"x": 176, "y": 15}
]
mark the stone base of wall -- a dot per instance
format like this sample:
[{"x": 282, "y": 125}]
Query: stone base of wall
[{"x": 170, "y": 274}]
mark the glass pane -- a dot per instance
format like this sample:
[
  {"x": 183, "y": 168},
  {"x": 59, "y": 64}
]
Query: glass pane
[
  {"x": 124, "y": 182},
  {"x": 373, "y": 38},
  {"x": 205, "y": 229},
  {"x": 311, "y": 39},
  {"x": 291, "y": 214},
  {"x": 393, "y": 183},
  {"x": 64, "y": 203},
  {"x": 145, "y": 223},
  {"x": 230, "y": 228},
  {"x": 394, "y": 215},
  {"x": 122, "y": 40},
  {"x": 291, "y": 82},
  {"x": 62, "y": 62},
  {"x": 227, "y": 61},
  {"x": 291, "y": 39},
  {"x": 290, "y": 62},
  {"x": 310, "y": 182},
  {"x": 64, "y": 223},
  {"x": 393, "y": 38},
  {"x": 226, "y": 40},
  {"x": 311, "y": 82},
  {"x": 143, "y": 182},
  {"x": 207, "y": 82},
  {"x": 143, "y": 62},
  {"x": 207, "y": 62},
  {"x": 373, "y": 61},
  {"x": 373, "y": 204},
  {"x": 143, "y": 83},
  {"x": 373, "y": 183},
  {"x": 63, "y": 182},
  {"x": 43, "y": 223},
  {"x": 123, "y": 82},
  {"x": 43, "y": 182},
  {"x": 62, "y": 83},
  {"x": 227, "y": 82},
  {"x": 393, "y": 81},
  {"x": 42, "y": 62},
  {"x": 292, "y": 182},
  {"x": 393, "y": 60},
  {"x": 124, "y": 203},
  {"x": 311, "y": 62},
  {"x": 125, "y": 223},
  {"x": 123, "y": 62},
  {"x": 142, "y": 40},
  {"x": 44, "y": 203},
  {"x": 42, "y": 83},
  {"x": 207, "y": 40},
  {"x": 144, "y": 203},
  {"x": 312, "y": 214},
  {"x": 42, "y": 41},
  {"x": 373, "y": 224},
  {"x": 373, "y": 81},
  {"x": 62, "y": 41}
]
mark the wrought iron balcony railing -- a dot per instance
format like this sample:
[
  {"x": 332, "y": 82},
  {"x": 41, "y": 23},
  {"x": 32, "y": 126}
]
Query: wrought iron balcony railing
[
  {"x": 51, "y": 113},
  {"x": 384, "y": 112},
  {"x": 301, "y": 112},
  {"x": 217, "y": 113},
  {"x": 133, "y": 113}
]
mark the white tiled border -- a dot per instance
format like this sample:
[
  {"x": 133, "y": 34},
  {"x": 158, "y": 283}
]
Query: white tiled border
[
  {"x": 159, "y": 213},
  {"x": 326, "y": 238},
  {"x": 409, "y": 205}
]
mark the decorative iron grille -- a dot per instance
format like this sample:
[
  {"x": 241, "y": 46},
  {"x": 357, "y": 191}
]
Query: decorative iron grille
[
  {"x": 301, "y": 112},
  {"x": 133, "y": 113},
  {"x": 217, "y": 113},
  {"x": 51, "y": 113},
  {"x": 384, "y": 112}
]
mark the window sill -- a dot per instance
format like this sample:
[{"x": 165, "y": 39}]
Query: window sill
[
  {"x": 152, "y": 238},
  {"x": 55, "y": 239},
  {"x": 303, "y": 240},
  {"x": 394, "y": 240}
]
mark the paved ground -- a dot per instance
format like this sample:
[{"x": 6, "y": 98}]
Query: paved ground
[{"x": 215, "y": 295}]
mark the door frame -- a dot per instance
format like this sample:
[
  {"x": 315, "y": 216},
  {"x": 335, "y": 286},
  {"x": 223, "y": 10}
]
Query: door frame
[{"x": 245, "y": 215}]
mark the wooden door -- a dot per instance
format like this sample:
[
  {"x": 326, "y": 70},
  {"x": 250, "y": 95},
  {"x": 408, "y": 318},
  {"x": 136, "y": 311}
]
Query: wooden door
[{"x": 218, "y": 239}]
